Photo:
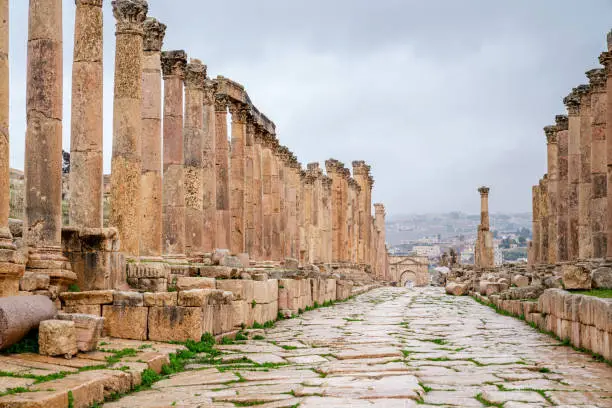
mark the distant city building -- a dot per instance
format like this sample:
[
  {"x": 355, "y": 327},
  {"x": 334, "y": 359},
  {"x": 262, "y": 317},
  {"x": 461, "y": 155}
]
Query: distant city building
[
  {"x": 498, "y": 256},
  {"x": 429, "y": 251}
]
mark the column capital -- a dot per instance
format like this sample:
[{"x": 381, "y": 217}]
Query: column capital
[
  {"x": 597, "y": 79},
  {"x": 484, "y": 191},
  {"x": 572, "y": 102},
  {"x": 154, "y": 33},
  {"x": 195, "y": 74},
  {"x": 210, "y": 89},
  {"x": 605, "y": 59},
  {"x": 333, "y": 166},
  {"x": 221, "y": 103},
  {"x": 327, "y": 182},
  {"x": 380, "y": 209},
  {"x": 95, "y": 3},
  {"x": 551, "y": 134},
  {"x": 240, "y": 111},
  {"x": 174, "y": 63},
  {"x": 361, "y": 168},
  {"x": 562, "y": 122},
  {"x": 130, "y": 16}
]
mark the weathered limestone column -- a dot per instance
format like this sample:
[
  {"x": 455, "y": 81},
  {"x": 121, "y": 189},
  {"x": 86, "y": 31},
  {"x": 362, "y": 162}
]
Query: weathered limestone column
[
  {"x": 563, "y": 189},
  {"x": 258, "y": 213},
  {"x": 543, "y": 221},
  {"x": 485, "y": 238},
  {"x": 281, "y": 159},
  {"x": 361, "y": 173},
  {"x": 553, "y": 181},
  {"x": 353, "y": 220},
  {"x": 572, "y": 102},
  {"x": 10, "y": 272},
  {"x": 209, "y": 170},
  {"x": 307, "y": 220},
  {"x": 381, "y": 249},
  {"x": 86, "y": 133},
  {"x": 223, "y": 172},
  {"x": 585, "y": 241},
  {"x": 151, "y": 180},
  {"x": 345, "y": 247},
  {"x": 599, "y": 186},
  {"x": 249, "y": 181},
  {"x": 535, "y": 242},
  {"x": 267, "y": 206},
  {"x": 127, "y": 161},
  {"x": 43, "y": 145},
  {"x": 173, "y": 66},
  {"x": 237, "y": 165},
  {"x": 276, "y": 245},
  {"x": 317, "y": 213},
  {"x": 606, "y": 60},
  {"x": 333, "y": 171},
  {"x": 292, "y": 213},
  {"x": 193, "y": 134}
]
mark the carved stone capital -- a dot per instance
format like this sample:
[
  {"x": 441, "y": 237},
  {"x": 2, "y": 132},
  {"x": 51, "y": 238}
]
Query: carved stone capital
[
  {"x": 154, "y": 33},
  {"x": 210, "y": 89},
  {"x": 597, "y": 79},
  {"x": 221, "y": 103},
  {"x": 95, "y": 3},
  {"x": 572, "y": 102},
  {"x": 174, "y": 63},
  {"x": 605, "y": 59},
  {"x": 551, "y": 134},
  {"x": 130, "y": 16},
  {"x": 239, "y": 111},
  {"x": 562, "y": 122},
  {"x": 195, "y": 74},
  {"x": 484, "y": 190}
]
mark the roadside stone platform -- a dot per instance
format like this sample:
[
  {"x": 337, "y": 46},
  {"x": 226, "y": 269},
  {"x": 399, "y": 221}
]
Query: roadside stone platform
[{"x": 391, "y": 347}]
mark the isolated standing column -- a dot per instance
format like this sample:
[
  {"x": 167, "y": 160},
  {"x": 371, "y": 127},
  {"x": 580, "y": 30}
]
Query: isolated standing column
[
  {"x": 173, "y": 66},
  {"x": 127, "y": 124},
  {"x": 151, "y": 181},
  {"x": 86, "y": 136}
]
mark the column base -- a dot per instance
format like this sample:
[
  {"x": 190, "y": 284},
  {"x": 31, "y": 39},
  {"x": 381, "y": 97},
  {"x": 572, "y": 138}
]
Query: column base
[{"x": 50, "y": 261}]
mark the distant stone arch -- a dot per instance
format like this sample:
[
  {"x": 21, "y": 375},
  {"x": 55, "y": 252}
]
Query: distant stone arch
[
  {"x": 409, "y": 268},
  {"x": 408, "y": 275}
]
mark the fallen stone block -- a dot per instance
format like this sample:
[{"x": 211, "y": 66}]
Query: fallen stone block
[
  {"x": 520, "y": 281},
  {"x": 132, "y": 299},
  {"x": 95, "y": 310},
  {"x": 88, "y": 329},
  {"x": 457, "y": 289},
  {"x": 576, "y": 277},
  {"x": 194, "y": 297},
  {"x": 493, "y": 289},
  {"x": 20, "y": 314},
  {"x": 602, "y": 278},
  {"x": 57, "y": 338}
]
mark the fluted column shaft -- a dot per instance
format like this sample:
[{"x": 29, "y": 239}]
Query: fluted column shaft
[
  {"x": 535, "y": 243},
  {"x": 258, "y": 213},
  {"x": 209, "y": 170},
  {"x": 327, "y": 233},
  {"x": 381, "y": 251},
  {"x": 267, "y": 205},
  {"x": 86, "y": 134},
  {"x": 249, "y": 182},
  {"x": 126, "y": 163},
  {"x": 563, "y": 190},
  {"x": 573, "y": 173},
  {"x": 307, "y": 221},
  {"x": 543, "y": 221},
  {"x": 151, "y": 181},
  {"x": 276, "y": 245},
  {"x": 585, "y": 241},
  {"x": 195, "y": 80},
  {"x": 173, "y": 65},
  {"x": 599, "y": 183},
  {"x": 237, "y": 178},
  {"x": 223, "y": 171},
  {"x": 553, "y": 182}
]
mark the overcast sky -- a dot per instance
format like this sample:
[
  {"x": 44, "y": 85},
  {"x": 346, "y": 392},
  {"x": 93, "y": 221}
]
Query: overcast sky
[{"x": 439, "y": 96}]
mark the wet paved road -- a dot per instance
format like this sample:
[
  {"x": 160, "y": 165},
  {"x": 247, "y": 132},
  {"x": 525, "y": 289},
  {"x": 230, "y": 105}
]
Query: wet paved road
[{"x": 392, "y": 347}]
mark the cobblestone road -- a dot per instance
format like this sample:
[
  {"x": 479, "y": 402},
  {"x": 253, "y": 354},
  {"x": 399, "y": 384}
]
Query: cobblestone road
[{"x": 393, "y": 348}]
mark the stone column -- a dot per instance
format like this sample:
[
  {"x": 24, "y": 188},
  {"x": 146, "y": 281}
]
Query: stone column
[
  {"x": 249, "y": 183},
  {"x": 585, "y": 241},
  {"x": 307, "y": 221},
  {"x": 276, "y": 245},
  {"x": 345, "y": 246},
  {"x": 543, "y": 221},
  {"x": 86, "y": 133},
  {"x": 332, "y": 167},
  {"x": 326, "y": 228},
  {"x": 237, "y": 165},
  {"x": 222, "y": 163},
  {"x": 127, "y": 161},
  {"x": 258, "y": 214},
  {"x": 315, "y": 234},
  {"x": 267, "y": 206},
  {"x": 381, "y": 250},
  {"x": 361, "y": 172},
  {"x": 572, "y": 102},
  {"x": 485, "y": 238},
  {"x": 563, "y": 189},
  {"x": 599, "y": 183},
  {"x": 195, "y": 80},
  {"x": 173, "y": 66},
  {"x": 151, "y": 180},
  {"x": 43, "y": 145},
  {"x": 209, "y": 170},
  {"x": 10, "y": 272},
  {"x": 535, "y": 242},
  {"x": 606, "y": 61},
  {"x": 553, "y": 181}
]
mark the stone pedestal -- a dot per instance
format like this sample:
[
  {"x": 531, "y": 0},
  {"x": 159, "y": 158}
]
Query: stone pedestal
[
  {"x": 173, "y": 66},
  {"x": 86, "y": 135},
  {"x": 222, "y": 163},
  {"x": 195, "y": 80},
  {"x": 151, "y": 178},
  {"x": 127, "y": 130},
  {"x": 43, "y": 147},
  {"x": 599, "y": 183}
]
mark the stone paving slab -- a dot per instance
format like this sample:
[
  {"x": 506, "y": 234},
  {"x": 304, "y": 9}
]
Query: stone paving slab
[{"x": 392, "y": 348}]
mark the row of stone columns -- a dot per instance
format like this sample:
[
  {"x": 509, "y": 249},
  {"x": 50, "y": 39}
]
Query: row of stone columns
[
  {"x": 570, "y": 203},
  {"x": 179, "y": 189}
]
